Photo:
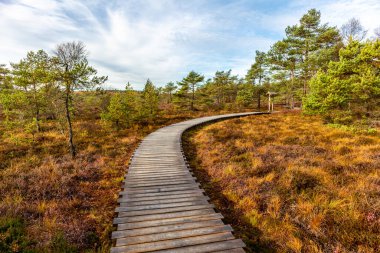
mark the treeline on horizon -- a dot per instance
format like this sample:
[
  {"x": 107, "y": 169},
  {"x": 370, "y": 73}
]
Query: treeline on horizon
[{"x": 326, "y": 71}]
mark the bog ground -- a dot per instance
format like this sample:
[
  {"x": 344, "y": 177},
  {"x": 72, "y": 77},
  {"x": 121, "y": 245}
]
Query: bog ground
[{"x": 287, "y": 182}]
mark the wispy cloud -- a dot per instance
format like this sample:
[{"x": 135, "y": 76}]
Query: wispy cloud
[{"x": 162, "y": 39}]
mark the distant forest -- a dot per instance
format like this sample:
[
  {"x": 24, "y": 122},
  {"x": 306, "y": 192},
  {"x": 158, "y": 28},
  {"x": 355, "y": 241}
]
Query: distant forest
[{"x": 316, "y": 66}]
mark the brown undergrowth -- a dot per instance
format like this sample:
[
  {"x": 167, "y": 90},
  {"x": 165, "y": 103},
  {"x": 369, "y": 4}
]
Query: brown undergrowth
[
  {"x": 289, "y": 183},
  {"x": 51, "y": 203}
]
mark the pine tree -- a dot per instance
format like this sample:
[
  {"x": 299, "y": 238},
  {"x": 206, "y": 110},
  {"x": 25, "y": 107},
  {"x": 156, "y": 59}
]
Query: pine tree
[
  {"x": 188, "y": 86},
  {"x": 5, "y": 78},
  {"x": 307, "y": 40},
  {"x": 256, "y": 75},
  {"x": 31, "y": 74},
  {"x": 283, "y": 63},
  {"x": 117, "y": 111},
  {"x": 350, "y": 86},
  {"x": 169, "y": 88},
  {"x": 150, "y": 100}
]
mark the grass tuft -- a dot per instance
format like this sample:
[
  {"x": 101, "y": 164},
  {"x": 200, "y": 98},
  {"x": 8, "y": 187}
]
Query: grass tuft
[{"x": 290, "y": 183}]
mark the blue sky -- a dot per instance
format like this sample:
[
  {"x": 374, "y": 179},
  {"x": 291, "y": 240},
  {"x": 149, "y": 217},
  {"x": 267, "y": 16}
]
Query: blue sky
[{"x": 132, "y": 40}]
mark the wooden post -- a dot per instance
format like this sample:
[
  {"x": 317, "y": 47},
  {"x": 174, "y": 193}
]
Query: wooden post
[{"x": 269, "y": 102}]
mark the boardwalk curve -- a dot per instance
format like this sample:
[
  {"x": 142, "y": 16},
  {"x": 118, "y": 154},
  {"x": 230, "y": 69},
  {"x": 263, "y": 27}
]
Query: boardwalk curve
[{"x": 161, "y": 206}]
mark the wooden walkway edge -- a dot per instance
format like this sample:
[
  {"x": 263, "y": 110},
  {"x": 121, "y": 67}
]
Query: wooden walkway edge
[{"x": 161, "y": 206}]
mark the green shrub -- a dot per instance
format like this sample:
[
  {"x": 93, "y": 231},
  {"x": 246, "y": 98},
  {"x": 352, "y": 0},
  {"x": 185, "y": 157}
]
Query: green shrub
[
  {"x": 59, "y": 244},
  {"x": 341, "y": 117},
  {"x": 13, "y": 235},
  {"x": 302, "y": 181}
]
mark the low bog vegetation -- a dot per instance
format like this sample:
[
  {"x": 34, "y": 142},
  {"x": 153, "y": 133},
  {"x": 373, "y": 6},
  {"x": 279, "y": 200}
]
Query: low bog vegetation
[
  {"x": 289, "y": 183},
  {"x": 52, "y": 203}
]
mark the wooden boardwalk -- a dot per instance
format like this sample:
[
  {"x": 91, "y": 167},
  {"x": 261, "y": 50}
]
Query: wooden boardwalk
[{"x": 161, "y": 207}]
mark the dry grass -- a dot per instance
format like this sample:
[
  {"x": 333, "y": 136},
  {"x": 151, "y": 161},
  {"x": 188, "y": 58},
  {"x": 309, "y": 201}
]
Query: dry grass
[
  {"x": 51, "y": 203},
  {"x": 289, "y": 183},
  {"x": 65, "y": 205}
]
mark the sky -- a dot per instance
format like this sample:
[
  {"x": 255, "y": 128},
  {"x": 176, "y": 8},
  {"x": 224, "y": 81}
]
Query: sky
[{"x": 133, "y": 40}]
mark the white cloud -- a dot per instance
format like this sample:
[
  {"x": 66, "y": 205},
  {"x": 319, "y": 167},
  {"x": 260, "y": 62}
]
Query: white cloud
[
  {"x": 162, "y": 40},
  {"x": 338, "y": 12},
  {"x": 128, "y": 44}
]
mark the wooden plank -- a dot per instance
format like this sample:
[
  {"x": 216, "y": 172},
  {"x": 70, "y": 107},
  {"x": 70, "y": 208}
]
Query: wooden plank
[
  {"x": 157, "y": 160},
  {"x": 164, "y": 183},
  {"x": 176, "y": 243},
  {"x": 172, "y": 235},
  {"x": 147, "y": 156},
  {"x": 161, "y": 207},
  {"x": 152, "y": 178},
  {"x": 158, "y": 164},
  {"x": 152, "y": 194},
  {"x": 238, "y": 250},
  {"x": 163, "y": 189},
  {"x": 157, "y": 171},
  {"x": 166, "y": 228},
  {"x": 158, "y": 178},
  {"x": 161, "y": 183},
  {"x": 154, "y": 164},
  {"x": 147, "y": 181},
  {"x": 159, "y": 175},
  {"x": 167, "y": 218},
  {"x": 126, "y": 198},
  {"x": 158, "y": 157},
  {"x": 127, "y": 213},
  {"x": 224, "y": 246},
  {"x": 163, "y": 201}
]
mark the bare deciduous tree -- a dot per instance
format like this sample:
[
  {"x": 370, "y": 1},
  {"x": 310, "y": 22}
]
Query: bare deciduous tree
[
  {"x": 377, "y": 32},
  {"x": 353, "y": 29},
  {"x": 74, "y": 73}
]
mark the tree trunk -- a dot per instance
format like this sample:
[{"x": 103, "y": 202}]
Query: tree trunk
[
  {"x": 292, "y": 89},
  {"x": 117, "y": 125},
  {"x": 306, "y": 69},
  {"x": 269, "y": 103},
  {"x": 259, "y": 100},
  {"x": 292, "y": 106},
  {"x": 259, "y": 92},
  {"x": 38, "y": 119},
  {"x": 68, "y": 118},
  {"x": 192, "y": 98},
  {"x": 38, "y": 127}
]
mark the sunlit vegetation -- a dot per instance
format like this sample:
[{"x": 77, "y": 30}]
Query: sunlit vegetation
[
  {"x": 62, "y": 204},
  {"x": 289, "y": 183},
  {"x": 64, "y": 150},
  {"x": 65, "y": 145},
  {"x": 51, "y": 202}
]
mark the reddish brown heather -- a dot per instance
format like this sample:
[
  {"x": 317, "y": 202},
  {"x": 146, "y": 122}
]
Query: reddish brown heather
[
  {"x": 289, "y": 183},
  {"x": 67, "y": 205},
  {"x": 56, "y": 195}
]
